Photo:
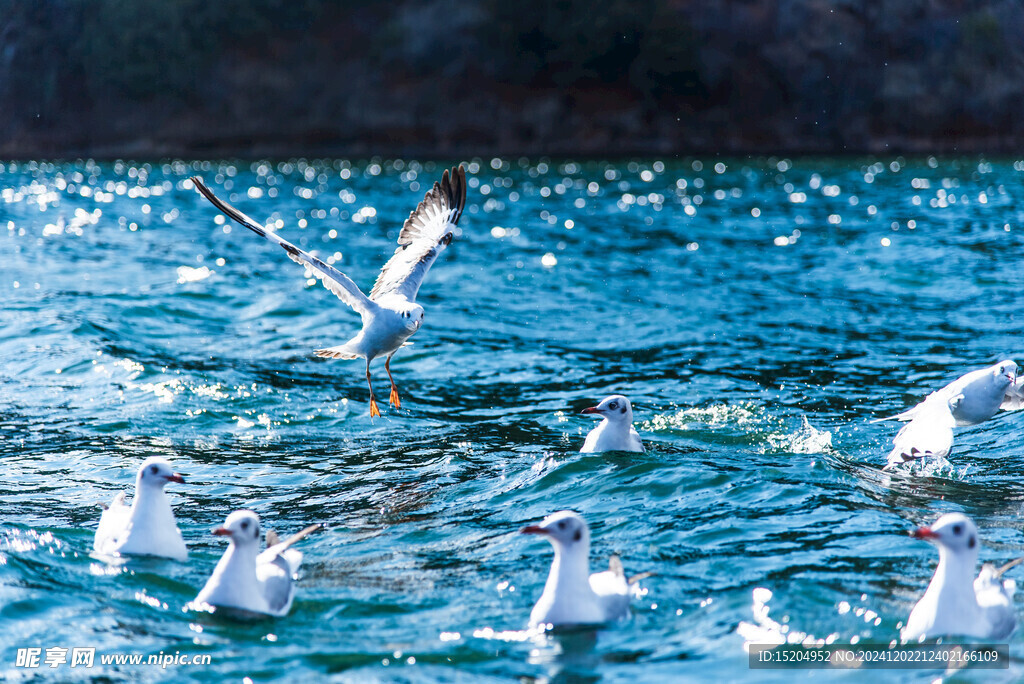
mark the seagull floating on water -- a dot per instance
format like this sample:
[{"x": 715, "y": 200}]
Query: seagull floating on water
[
  {"x": 147, "y": 527},
  {"x": 390, "y": 315},
  {"x": 928, "y": 435},
  {"x": 248, "y": 580},
  {"x": 983, "y": 392},
  {"x": 955, "y": 603},
  {"x": 572, "y": 596},
  {"x": 615, "y": 432}
]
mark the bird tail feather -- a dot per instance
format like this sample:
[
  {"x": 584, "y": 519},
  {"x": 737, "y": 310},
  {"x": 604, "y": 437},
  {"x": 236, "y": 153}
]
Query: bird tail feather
[{"x": 342, "y": 351}]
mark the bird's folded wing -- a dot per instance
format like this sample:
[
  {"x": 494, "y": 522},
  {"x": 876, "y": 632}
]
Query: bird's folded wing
[
  {"x": 426, "y": 233},
  {"x": 275, "y": 578},
  {"x": 113, "y": 521},
  {"x": 612, "y": 593},
  {"x": 333, "y": 279},
  {"x": 996, "y": 600},
  {"x": 609, "y": 583}
]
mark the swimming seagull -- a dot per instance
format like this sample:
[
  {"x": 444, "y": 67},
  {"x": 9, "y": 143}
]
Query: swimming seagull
[
  {"x": 572, "y": 596},
  {"x": 248, "y": 580},
  {"x": 615, "y": 432},
  {"x": 956, "y": 603},
  {"x": 147, "y": 527},
  {"x": 390, "y": 315},
  {"x": 983, "y": 391},
  {"x": 929, "y": 434}
]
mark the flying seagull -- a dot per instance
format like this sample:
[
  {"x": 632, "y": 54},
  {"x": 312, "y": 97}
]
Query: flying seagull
[
  {"x": 615, "y": 432},
  {"x": 390, "y": 315},
  {"x": 147, "y": 527},
  {"x": 572, "y": 596},
  {"x": 955, "y": 603},
  {"x": 983, "y": 392},
  {"x": 248, "y": 580}
]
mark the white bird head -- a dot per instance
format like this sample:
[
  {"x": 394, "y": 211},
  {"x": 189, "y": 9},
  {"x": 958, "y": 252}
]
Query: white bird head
[
  {"x": 413, "y": 317},
  {"x": 156, "y": 472},
  {"x": 954, "y": 532},
  {"x": 1007, "y": 369},
  {"x": 615, "y": 408},
  {"x": 565, "y": 530},
  {"x": 243, "y": 527}
]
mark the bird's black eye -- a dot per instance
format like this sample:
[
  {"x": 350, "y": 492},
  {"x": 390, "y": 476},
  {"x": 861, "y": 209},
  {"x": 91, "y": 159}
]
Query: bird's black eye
[
  {"x": 153, "y": 469},
  {"x": 957, "y": 529},
  {"x": 561, "y": 524},
  {"x": 971, "y": 542},
  {"x": 245, "y": 524},
  {"x": 614, "y": 405}
]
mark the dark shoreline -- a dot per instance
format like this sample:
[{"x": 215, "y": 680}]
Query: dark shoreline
[{"x": 257, "y": 78}]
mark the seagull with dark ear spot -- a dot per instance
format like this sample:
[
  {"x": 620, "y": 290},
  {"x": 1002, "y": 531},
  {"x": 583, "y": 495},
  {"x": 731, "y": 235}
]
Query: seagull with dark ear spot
[
  {"x": 955, "y": 603},
  {"x": 147, "y": 527},
  {"x": 615, "y": 432},
  {"x": 572, "y": 596},
  {"x": 246, "y": 580}
]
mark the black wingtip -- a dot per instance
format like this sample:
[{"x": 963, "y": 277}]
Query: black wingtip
[
  {"x": 227, "y": 209},
  {"x": 455, "y": 189},
  {"x": 205, "y": 191}
]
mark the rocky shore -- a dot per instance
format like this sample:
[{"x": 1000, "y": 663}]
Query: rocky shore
[{"x": 112, "y": 78}]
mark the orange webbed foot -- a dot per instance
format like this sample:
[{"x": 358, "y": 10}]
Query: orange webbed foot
[
  {"x": 395, "y": 401},
  {"x": 374, "y": 411}
]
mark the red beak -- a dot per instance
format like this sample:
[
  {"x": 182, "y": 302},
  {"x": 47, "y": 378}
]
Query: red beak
[
  {"x": 923, "y": 533},
  {"x": 222, "y": 532},
  {"x": 592, "y": 409},
  {"x": 176, "y": 478},
  {"x": 533, "y": 529}
]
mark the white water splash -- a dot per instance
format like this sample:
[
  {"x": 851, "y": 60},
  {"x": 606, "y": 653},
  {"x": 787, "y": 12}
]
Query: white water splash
[{"x": 807, "y": 440}]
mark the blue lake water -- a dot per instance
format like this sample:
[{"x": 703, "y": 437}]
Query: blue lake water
[{"x": 731, "y": 299}]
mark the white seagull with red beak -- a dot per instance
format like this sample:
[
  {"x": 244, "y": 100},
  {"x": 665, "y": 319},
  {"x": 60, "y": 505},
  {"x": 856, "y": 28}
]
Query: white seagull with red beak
[
  {"x": 982, "y": 393},
  {"x": 615, "y": 432},
  {"x": 390, "y": 315},
  {"x": 250, "y": 581},
  {"x": 572, "y": 596},
  {"x": 147, "y": 527},
  {"x": 955, "y": 603}
]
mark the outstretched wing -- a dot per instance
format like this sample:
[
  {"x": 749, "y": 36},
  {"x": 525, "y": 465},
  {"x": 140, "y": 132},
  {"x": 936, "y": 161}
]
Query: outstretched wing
[
  {"x": 333, "y": 279},
  {"x": 426, "y": 233}
]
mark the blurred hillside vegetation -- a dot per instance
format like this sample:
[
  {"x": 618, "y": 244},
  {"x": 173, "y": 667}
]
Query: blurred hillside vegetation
[{"x": 440, "y": 77}]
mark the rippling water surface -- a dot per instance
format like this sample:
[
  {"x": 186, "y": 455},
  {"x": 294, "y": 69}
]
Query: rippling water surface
[{"x": 758, "y": 312}]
